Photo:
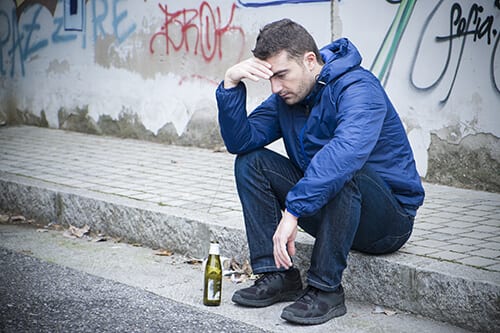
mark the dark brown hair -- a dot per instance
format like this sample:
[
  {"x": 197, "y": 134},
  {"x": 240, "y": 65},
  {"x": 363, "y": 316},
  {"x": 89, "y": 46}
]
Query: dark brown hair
[{"x": 284, "y": 35}]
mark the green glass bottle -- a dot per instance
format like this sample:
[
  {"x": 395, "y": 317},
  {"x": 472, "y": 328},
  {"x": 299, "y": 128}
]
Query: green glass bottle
[{"x": 213, "y": 277}]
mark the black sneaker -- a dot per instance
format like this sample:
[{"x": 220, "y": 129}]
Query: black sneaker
[
  {"x": 316, "y": 307},
  {"x": 271, "y": 288}
]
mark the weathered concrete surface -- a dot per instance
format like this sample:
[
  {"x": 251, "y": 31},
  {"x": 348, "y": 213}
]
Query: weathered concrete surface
[
  {"x": 460, "y": 295},
  {"x": 171, "y": 277},
  {"x": 202, "y": 130},
  {"x": 473, "y": 162},
  {"x": 181, "y": 197},
  {"x": 41, "y": 296},
  {"x": 32, "y": 200},
  {"x": 442, "y": 291},
  {"x": 131, "y": 220}
]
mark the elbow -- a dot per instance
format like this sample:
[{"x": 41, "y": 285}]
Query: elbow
[
  {"x": 234, "y": 149},
  {"x": 234, "y": 145}
]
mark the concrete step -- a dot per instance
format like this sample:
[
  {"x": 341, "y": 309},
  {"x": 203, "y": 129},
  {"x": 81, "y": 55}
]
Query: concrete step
[
  {"x": 181, "y": 197},
  {"x": 444, "y": 291}
]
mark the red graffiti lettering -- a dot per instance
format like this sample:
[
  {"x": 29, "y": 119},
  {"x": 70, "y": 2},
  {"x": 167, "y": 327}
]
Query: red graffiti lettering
[{"x": 203, "y": 25}]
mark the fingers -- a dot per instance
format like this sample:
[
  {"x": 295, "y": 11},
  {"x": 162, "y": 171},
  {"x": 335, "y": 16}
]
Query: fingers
[
  {"x": 283, "y": 250},
  {"x": 284, "y": 241},
  {"x": 252, "y": 68},
  {"x": 281, "y": 257},
  {"x": 257, "y": 68}
]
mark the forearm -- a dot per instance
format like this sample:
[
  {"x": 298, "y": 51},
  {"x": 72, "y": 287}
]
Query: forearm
[
  {"x": 232, "y": 116},
  {"x": 242, "y": 133}
]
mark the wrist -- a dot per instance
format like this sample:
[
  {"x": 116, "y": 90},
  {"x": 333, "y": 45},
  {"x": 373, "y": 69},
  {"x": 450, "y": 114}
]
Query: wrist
[
  {"x": 228, "y": 83},
  {"x": 291, "y": 214}
]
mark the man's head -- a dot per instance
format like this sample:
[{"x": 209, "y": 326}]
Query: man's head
[
  {"x": 294, "y": 57},
  {"x": 285, "y": 35}
]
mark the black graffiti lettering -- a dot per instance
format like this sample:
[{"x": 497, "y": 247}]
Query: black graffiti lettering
[
  {"x": 486, "y": 28},
  {"x": 475, "y": 25},
  {"x": 494, "y": 79},
  {"x": 480, "y": 28}
]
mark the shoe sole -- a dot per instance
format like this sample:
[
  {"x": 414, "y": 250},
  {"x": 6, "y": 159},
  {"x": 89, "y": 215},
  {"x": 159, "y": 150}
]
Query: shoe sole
[
  {"x": 333, "y": 313},
  {"x": 285, "y": 297}
]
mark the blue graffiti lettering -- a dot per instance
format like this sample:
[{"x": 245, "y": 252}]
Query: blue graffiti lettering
[
  {"x": 57, "y": 36},
  {"x": 29, "y": 29},
  {"x": 99, "y": 20},
  {"x": 254, "y": 4},
  {"x": 4, "y": 41},
  {"x": 16, "y": 45},
  {"x": 19, "y": 42},
  {"x": 117, "y": 19}
]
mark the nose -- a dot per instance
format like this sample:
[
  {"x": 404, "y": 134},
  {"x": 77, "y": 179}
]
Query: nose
[{"x": 275, "y": 86}]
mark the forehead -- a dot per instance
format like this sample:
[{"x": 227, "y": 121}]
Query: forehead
[{"x": 281, "y": 61}]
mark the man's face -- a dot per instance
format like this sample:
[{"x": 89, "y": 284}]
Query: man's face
[{"x": 292, "y": 80}]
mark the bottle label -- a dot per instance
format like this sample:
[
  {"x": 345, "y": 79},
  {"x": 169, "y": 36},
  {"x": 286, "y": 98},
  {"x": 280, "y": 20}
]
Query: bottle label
[{"x": 213, "y": 290}]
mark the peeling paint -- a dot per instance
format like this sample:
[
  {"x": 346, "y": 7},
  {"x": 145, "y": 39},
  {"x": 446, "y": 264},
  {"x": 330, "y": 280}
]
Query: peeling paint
[
  {"x": 58, "y": 67},
  {"x": 18, "y": 117},
  {"x": 201, "y": 131},
  {"x": 472, "y": 163}
]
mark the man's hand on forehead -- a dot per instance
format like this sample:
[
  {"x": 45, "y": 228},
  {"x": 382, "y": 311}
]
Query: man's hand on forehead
[{"x": 252, "y": 68}]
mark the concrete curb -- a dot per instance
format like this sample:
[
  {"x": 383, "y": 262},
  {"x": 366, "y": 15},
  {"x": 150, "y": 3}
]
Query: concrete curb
[{"x": 457, "y": 294}]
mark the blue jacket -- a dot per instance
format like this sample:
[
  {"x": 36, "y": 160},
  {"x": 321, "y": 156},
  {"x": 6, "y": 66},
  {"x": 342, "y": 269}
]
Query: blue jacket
[{"x": 347, "y": 121}]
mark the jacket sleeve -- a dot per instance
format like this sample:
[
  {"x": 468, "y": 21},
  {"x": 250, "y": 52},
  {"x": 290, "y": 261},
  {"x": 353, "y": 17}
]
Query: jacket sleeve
[
  {"x": 361, "y": 110},
  {"x": 242, "y": 133}
]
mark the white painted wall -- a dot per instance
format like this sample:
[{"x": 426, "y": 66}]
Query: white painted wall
[
  {"x": 109, "y": 67},
  {"x": 473, "y": 105},
  {"x": 120, "y": 61}
]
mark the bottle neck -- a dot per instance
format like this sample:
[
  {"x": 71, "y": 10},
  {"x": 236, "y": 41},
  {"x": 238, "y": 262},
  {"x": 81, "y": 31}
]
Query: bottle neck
[{"x": 214, "y": 249}]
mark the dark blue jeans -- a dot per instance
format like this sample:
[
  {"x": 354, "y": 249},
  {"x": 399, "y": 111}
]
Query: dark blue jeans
[{"x": 363, "y": 216}]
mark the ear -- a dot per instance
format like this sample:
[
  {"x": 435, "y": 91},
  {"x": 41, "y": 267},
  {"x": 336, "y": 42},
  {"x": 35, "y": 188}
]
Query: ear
[{"x": 310, "y": 60}]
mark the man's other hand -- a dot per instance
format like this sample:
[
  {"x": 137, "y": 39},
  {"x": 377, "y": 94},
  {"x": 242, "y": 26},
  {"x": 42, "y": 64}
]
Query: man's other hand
[{"x": 284, "y": 240}]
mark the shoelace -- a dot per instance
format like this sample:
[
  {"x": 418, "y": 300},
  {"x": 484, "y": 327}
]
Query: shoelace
[
  {"x": 265, "y": 277},
  {"x": 308, "y": 296}
]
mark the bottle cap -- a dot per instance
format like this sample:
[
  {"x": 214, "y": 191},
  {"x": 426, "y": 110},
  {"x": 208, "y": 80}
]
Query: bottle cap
[{"x": 214, "y": 248}]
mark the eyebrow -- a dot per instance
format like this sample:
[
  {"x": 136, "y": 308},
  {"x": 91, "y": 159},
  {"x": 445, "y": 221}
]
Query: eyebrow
[{"x": 279, "y": 72}]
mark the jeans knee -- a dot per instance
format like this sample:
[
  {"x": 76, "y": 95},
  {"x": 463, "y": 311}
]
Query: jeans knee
[
  {"x": 242, "y": 162},
  {"x": 248, "y": 160}
]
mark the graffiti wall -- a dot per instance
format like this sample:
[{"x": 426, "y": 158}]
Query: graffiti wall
[
  {"x": 440, "y": 62},
  {"x": 145, "y": 69},
  {"x": 148, "y": 69}
]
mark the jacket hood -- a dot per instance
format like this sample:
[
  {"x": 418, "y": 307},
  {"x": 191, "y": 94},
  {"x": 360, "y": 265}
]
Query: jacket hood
[{"x": 339, "y": 57}]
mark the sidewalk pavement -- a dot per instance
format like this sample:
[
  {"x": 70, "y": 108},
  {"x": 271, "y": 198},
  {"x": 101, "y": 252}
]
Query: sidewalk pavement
[{"x": 181, "y": 197}]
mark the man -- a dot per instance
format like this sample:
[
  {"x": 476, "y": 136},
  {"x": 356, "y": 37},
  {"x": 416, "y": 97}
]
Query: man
[{"x": 350, "y": 179}]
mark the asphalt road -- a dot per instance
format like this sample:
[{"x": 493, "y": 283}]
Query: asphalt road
[{"x": 37, "y": 296}]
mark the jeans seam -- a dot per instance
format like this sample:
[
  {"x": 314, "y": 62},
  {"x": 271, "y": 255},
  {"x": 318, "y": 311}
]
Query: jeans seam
[
  {"x": 395, "y": 239},
  {"x": 270, "y": 171},
  {"x": 313, "y": 282},
  {"x": 265, "y": 269},
  {"x": 278, "y": 174}
]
